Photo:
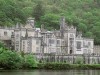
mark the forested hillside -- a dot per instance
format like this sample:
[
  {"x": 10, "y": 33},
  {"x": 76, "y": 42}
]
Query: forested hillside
[{"x": 84, "y": 14}]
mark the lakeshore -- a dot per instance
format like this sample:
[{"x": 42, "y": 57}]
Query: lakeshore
[{"x": 65, "y": 66}]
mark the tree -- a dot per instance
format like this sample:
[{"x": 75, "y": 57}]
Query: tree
[
  {"x": 10, "y": 60},
  {"x": 78, "y": 12},
  {"x": 51, "y": 21},
  {"x": 13, "y": 60},
  {"x": 38, "y": 11},
  {"x": 89, "y": 34},
  {"x": 82, "y": 27},
  {"x": 10, "y": 13}
]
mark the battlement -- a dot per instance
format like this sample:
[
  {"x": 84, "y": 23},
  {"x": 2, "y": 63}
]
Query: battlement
[{"x": 71, "y": 27}]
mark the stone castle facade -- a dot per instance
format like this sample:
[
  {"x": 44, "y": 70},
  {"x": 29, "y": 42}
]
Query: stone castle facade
[{"x": 29, "y": 39}]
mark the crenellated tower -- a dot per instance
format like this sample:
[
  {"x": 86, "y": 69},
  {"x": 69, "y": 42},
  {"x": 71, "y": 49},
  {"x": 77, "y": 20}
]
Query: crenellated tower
[
  {"x": 31, "y": 22},
  {"x": 68, "y": 33}
]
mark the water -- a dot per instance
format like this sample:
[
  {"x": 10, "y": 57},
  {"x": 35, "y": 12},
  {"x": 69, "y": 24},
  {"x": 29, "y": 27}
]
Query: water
[{"x": 50, "y": 72}]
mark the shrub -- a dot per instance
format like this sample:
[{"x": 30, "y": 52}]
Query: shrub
[
  {"x": 54, "y": 66},
  {"x": 29, "y": 61},
  {"x": 10, "y": 60},
  {"x": 79, "y": 60}
]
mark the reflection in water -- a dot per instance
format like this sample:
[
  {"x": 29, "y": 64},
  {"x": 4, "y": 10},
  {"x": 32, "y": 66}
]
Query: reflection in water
[{"x": 51, "y": 72}]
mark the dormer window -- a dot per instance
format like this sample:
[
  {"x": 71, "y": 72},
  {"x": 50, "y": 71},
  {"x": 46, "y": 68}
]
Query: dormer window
[
  {"x": 78, "y": 45},
  {"x": 12, "y": 33}
]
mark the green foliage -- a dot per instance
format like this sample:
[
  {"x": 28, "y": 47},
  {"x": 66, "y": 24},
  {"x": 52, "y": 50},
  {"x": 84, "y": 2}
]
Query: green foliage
[
  {"x": 79, "y": 60},
  {"x": 54, "y": 66},
  {"x": 84, "y": 14},
  {"x": 10, "y": 13},
  {"x": 10, "y": 60},
  {"x": 89, "y": 34},
  {"x": 64, "y": 66},
  {"x": 2, "y": 45},
  {"x": 50, "y": 21},
  {"x": 14, "y": 60},
  {"x": 29, "y": 61},
  {"x": 82, "y": 27},
  {"x": 38, "y": 11}
]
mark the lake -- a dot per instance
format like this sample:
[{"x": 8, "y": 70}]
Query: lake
[{"x": 50, "y": 72}]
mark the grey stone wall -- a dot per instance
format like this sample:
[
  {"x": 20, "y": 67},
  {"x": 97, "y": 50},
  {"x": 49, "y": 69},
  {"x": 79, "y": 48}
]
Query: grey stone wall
[
  {"x": 70, "y": 59},
  {"x": 96, "y": 49}
]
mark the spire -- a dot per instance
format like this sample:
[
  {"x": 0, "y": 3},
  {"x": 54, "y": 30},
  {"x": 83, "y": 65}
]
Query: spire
[
  {"x": 62, "y": 26},
  {"x": 26, "y": 35},
  {"x": 42, "y": 27},
  {"x": 17, "y": 25},
  {"x": 62, "y": 23}
]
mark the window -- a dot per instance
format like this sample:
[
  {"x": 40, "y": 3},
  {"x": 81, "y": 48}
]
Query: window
[
  {"x": 28, "y": 42},
  {"x": 28, "y": 49},
  {"x": 51, "y": 41},
  {"x": 58, "y": 50},
  {"x": 48, "y": 36},
  {"x": 85, "y": 44},
  {"x": 78, "y": 45},
  {"x": 58, "y": 42},
  {"x": 71, "y": 51},
  {"x": 63, "y": 42},
  {"x": 71, "y": 41},
  {"x": 23, "y": 42},
  {"x": 89, "y": 43},
  {"x": 17, "y": 36},
  {"x": 37, "y": 49},
  {"x": 71, "y": 35},
  {"x": 17, "y": 42},
  {"x": 85, "y": 51},
  {"x": 12, "y": 33},
  {"x": 17, "y": 47},
  {"x": 5, "y": 33}
]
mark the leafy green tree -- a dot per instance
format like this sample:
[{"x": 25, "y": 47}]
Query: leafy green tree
[
  {"x": 89, "y": 34},
  {"x": 82, "y": 27},
  {"x": 10, "y": 13},
  {"x": 77, "y": 13},
  {"x": 51, "y": 21},
  {"x": 13, "y": 60},
  {"x": 10, "y": 60},
  {"x": 38, "y": 11}
]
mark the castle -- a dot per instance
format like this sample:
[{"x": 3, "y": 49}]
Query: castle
[{"x": 29, "y": 39}]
